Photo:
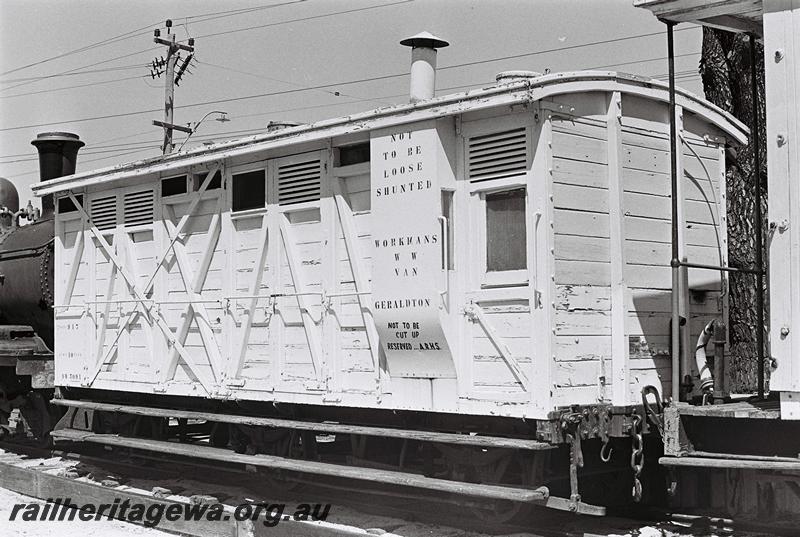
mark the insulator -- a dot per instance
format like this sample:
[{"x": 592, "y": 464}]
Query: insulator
[{"x": 191, "y": 41}]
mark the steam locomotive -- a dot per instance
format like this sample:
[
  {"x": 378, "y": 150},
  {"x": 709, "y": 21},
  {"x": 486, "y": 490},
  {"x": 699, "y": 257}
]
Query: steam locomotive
[{"x": 26, "y": 293}]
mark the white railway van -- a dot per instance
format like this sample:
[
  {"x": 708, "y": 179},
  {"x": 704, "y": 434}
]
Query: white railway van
[{"x": 503, "y": 252}]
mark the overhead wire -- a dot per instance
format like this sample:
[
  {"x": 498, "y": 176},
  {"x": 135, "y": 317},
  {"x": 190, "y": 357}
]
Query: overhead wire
[
  {"x": 687, "y": 74},
  {"x": 151, "y": 143},
  {"x": 89, "y": 160},
  {"x": 301, "y": 19},
  {"x": 146, "y": 145},
  {"x": 144, "y": 30},
  {"x": 77, "y": 73},
  {"x": 233, "y": 12},
  {"x": 475, "y": 62},
  {"x": 215, "y": 101},
  {"x": 121, "y": 37},
  {"x": 257, "y": 75},
  {"x": 264, "y": 77},
  {"x": 71, "y": 72},
  {"x": 88, "y": 84},
  {"x": 559, "y": 49}
]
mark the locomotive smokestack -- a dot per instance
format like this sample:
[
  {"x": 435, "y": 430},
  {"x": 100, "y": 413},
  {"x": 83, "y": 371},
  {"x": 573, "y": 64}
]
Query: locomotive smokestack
[
  {"x": 423, "y": 64},
  {"x": 58, "y": 152}
]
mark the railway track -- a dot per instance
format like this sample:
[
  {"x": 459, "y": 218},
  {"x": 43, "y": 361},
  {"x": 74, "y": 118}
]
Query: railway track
[
  {"x": 101, "y": 475},
  {"x": 42, "y": 473}
]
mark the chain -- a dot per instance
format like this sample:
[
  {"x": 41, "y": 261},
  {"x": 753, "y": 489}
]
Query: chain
[
  {"x": 637, "y": 456},
  {"x": 654, "y": 416}
]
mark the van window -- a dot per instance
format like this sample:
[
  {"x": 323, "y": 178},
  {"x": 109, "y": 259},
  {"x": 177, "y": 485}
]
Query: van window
[
  {"x": 249, "y": 190},
  {"x": 505, "y": 231},
  {"x": 172, "y": 186}
]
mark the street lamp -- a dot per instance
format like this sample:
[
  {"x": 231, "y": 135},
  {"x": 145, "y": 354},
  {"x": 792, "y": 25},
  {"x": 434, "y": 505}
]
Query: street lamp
[{"x": 222, "y": 119}]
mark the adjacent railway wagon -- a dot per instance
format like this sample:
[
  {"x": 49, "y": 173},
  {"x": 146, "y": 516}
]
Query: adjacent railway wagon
[{"x": 495, "y": 261}]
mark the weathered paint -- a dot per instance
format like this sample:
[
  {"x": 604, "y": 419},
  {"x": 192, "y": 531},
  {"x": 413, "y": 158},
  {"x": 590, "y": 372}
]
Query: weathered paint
[{"x": 274, "y": 302}]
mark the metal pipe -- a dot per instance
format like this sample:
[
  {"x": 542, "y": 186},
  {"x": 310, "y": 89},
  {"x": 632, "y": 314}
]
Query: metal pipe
[
  {"x": 745, "y": 270},
  {"x": 758, "y": 225},
  {"x": 675, "y": 263},
  {"x": 22, "y": 213}
]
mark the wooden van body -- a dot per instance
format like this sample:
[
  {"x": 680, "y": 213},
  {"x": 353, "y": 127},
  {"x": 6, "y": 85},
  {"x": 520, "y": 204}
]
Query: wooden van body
[{"x": 504, "y": 251}]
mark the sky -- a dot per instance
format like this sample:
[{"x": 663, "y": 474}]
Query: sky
[{"x": 83, "y": 66}]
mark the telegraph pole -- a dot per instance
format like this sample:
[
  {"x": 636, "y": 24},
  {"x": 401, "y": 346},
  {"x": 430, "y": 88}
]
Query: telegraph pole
[{"x": 170, "y": 80}]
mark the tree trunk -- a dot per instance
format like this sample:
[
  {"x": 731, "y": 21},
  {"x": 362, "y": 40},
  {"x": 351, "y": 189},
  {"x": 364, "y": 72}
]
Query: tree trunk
[{"x": 725, "y": 70}]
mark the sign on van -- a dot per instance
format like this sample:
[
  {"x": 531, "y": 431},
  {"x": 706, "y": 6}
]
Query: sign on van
[{"x": 407, "y": 253}]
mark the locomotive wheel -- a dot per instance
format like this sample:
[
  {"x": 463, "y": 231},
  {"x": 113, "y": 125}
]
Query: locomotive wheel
[
  {"x": 5, "y": 413},
  {"x": 36, "y": 413},
  {"x": 220, "y": 435}
]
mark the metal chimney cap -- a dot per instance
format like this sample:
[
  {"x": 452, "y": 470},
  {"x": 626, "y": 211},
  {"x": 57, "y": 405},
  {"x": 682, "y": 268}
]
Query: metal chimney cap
[
  {"x": 424, "y": 39},
  {"x": 46, "y": 137}
]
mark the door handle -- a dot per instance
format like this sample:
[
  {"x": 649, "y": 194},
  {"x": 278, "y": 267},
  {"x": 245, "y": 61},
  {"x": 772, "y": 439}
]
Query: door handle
[
  {"x": 445, "y": 255},
  {"x": 537, "y": 294}
]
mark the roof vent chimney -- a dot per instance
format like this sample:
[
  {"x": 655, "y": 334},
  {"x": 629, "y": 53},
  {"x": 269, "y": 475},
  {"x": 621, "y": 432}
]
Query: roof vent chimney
[
  {"x": 58, "y": 152},
  {"x": 423, "y": 64}
]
